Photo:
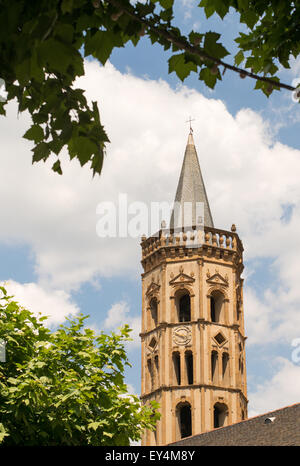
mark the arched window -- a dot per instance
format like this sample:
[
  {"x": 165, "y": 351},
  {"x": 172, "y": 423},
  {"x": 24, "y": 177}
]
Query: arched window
[
  {"x": 153, "y": 310},
  {"x": 150, "y": 374},
  {"x": 156, "y": 371},
  {"x": 216, "y": 305},
  {"x": 184, "y": 417},
  {"x": 238, "y": 311},
  {"x": 225, "y": 367},
  {"x": 189, "y": 367},
  {"x": 214, "y": 367},
  {"x": 212, "y": 309},
  {"x": 176, "y": 367},
  {"x": 184, "y": 308},
  {"x": 220, "y": 415}
]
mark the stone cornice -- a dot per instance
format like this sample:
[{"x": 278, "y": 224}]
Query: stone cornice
[
  {"x": 193, "y": 387},
  {"x": 164, "y": 325}
]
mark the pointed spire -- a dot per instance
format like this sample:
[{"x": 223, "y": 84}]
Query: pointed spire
[{"x": 191, "y": 188}]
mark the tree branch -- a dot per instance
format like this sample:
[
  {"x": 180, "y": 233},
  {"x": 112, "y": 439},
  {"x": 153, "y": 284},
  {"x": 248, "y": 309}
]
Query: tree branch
[
  {"x": 50, "y": 29},
  {"x": 187, "y": 47}
]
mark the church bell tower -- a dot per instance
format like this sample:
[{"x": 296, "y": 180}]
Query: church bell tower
[{"x": 193, "y": 339}]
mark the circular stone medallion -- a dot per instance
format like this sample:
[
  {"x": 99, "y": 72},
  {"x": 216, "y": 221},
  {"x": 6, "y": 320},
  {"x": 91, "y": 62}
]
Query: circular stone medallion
[{"x": 182, "y": 335}]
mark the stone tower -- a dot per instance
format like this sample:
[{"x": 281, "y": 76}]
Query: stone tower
[{"x": 193, "y": 340}]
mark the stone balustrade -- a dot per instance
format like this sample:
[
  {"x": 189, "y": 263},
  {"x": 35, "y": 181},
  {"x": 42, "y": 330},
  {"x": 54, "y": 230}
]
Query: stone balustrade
[{"x": 192, "y": 238}]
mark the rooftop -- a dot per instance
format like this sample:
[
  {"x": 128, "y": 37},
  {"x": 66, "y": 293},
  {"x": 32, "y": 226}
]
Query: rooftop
[{"x": 274, "y": 428}]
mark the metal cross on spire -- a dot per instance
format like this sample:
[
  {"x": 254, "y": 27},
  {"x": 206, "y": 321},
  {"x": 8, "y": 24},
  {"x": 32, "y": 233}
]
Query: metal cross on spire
[{"x": 190, "y": 122}]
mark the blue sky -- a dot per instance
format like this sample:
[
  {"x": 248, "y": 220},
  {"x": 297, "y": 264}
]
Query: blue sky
[{"x": 249, "y": 153}]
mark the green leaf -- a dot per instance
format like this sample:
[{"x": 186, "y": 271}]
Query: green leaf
[
  {"x": 36, "y": 71},
  {"x": 166, "y": 4},
  {"x": 2, "y": 109},
  {"x": 101, "y": 44},
  {"x": 195, "y": 38},
  {"x": 40, "y": 364},
  {"x": 3, "y": 433},
  {"x": 97, "y": 162},
  {"x": 94, "y": 425},
  {"x": 22, "y": 70},
  {"x": 166, "y": 15},
  {"x": 67, "y": 6},
  {"x": 249, "y": 17},
  {"x": 182, "y": 68},
  {"x": 212, "y": 47},
  {"x": 60, "y": 55},
  {"x": 65, "y": 32},
  {"x": 239, "y": 58},
  {"x": 209, "y": 7},
  {"x": 82, "y": 148},
  {"x": 221, "y": 7},
  {"x": 40, "y": 152},
  {"x": 35, "y": 133},
  {"x": 243, "y": 4},
  {"x": 209, "y": 78},
  {"x": 40, "y": 117}
]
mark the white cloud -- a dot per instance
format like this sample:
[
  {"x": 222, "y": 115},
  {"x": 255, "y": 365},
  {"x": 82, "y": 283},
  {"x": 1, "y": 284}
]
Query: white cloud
[
  {"x": 131, "y": 390},
  {"x": 294, "y": 67},
  {"x": 119, "y": 315},
  {"x": 187, "y": 6},
  {"x": 56, "y": 304},
  {"x": 257, "y": 319},
  {"x": 280, "y": 391}
]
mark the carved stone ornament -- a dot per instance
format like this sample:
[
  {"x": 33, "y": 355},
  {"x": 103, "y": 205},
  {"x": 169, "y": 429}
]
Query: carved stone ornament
[
  {"x": 217, "y": 279},
  {"x": 182, "y": 335},
  {"x": 152, "y": 343},
  {"x": 152, "y": 288},
  {"x": 181, "y": 279}
]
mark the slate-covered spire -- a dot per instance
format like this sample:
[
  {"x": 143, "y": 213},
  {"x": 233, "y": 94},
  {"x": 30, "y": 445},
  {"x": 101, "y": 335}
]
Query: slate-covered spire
[{"x": 191, "y": 188}]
